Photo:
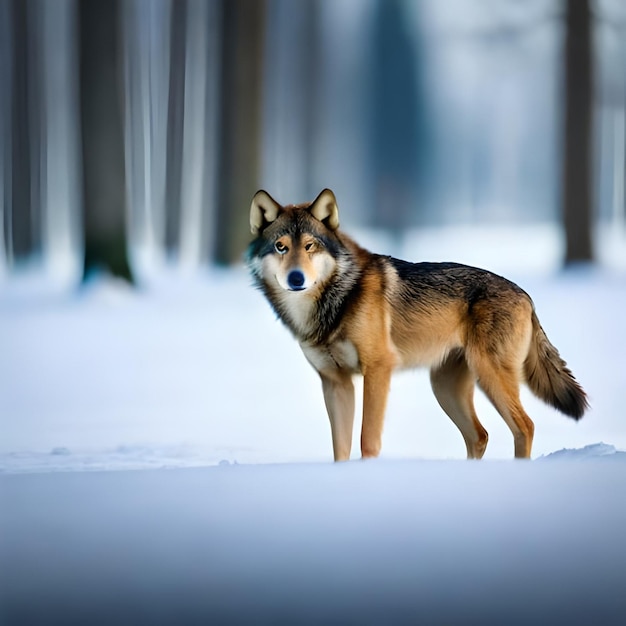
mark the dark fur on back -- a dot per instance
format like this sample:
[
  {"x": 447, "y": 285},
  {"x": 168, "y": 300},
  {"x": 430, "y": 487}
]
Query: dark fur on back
[{"x": 451, "y": 280}]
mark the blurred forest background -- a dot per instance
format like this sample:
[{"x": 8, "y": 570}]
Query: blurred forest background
[{"x": 135, "y": 132}]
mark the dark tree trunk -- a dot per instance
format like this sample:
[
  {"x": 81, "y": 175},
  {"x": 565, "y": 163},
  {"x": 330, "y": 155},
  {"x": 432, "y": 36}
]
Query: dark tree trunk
[
  {"x": 310, "y": 85},
  {"x": 396, "y": 110},
  {"x": 6, "y": 73},
  {"x": 577, "y": 165},
  {"x": 175, "y": 113},
  {"x": 104, "y": 176},
  {"x": 24, "y": 221},
  {"x": 239, "y": 144}
]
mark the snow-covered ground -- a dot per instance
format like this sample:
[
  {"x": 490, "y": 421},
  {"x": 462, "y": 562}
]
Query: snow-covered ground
[
  {"x": 392, "y": 542},
  {"x": 243, "y": 517}
]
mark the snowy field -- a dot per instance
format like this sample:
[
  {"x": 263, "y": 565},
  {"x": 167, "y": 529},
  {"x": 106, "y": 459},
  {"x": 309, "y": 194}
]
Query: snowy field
[{"x": 242, "y": 517}]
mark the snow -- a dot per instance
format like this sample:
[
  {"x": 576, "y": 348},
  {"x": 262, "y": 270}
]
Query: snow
[
  {"x": 595, "y": 451},
  {"x": 165, "y": 457},
  {"x": 392, "y": 542}
]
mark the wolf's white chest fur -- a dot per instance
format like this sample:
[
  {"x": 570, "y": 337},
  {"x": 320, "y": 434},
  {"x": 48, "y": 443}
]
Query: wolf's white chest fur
[
  {"x": 336, "y": 355},
  {"x": 299, "y": 308},
  {"x": 339, "y": 354}
]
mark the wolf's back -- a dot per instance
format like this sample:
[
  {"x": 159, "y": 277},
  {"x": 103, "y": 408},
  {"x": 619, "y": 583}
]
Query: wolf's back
[{"x": 549, "y": 378}]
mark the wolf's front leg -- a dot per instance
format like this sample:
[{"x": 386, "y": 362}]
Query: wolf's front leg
[
  {"x": 339, "y": 399},
  {"x": 376, "y": 383}
]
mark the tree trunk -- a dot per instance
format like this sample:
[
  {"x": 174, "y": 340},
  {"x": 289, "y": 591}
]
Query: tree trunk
[
  {"x": 241, "y": 91},
  {"x": 577, "y": 157},
  {"x": 104, "y": 176},
  {"x": 175, "y": 114},
  {"x": 6, "y": 73},
  {"x": 25, "y": 230}
]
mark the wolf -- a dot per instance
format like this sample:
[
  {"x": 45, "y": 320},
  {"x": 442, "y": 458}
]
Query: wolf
[{"x": 356, "y": 312}]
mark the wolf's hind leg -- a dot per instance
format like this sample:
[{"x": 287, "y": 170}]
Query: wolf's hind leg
[
  {"x": 501, "y": 385},
  {"x": 453, "y": 386},
  {"x": 339, "y": 400},
  {"x": 497, "y": 347}
]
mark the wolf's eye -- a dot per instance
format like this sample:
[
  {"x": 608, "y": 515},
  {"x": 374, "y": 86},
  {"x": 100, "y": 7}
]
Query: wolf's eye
[{"x": 280, "y": 247}]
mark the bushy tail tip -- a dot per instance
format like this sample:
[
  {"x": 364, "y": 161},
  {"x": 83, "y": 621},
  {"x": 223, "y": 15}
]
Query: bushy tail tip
[{"x": 550, "y": 379}]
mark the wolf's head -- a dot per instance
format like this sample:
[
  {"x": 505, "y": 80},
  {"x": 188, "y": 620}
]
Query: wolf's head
[{"x": 296, "y": 246}]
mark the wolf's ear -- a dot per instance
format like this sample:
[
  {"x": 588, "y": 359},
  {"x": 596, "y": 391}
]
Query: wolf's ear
[
  {"x": 263, "y": 211},
  {"x": 324, "y": 208}
]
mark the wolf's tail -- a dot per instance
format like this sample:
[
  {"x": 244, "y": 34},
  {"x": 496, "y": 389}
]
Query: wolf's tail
[{"x": 549, "y": 378}]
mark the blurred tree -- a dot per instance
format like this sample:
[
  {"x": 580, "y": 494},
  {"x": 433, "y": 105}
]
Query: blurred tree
[
  {"x": 577, "y": 147},
  {"x": 239, "y": 142},
  {"x": 175, "y": 111},
  {"x": 293, "y": 99},
  {"x": 5, "y": 131},
  {"x": 396, "y": 109},
  {"x": 401, "y": 143},
  {"x": 23, "y": 210},
  {"x": 104, "y": 176}
]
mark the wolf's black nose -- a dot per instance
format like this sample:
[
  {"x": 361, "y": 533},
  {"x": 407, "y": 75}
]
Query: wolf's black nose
[{"x": 295, "y": 279}]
